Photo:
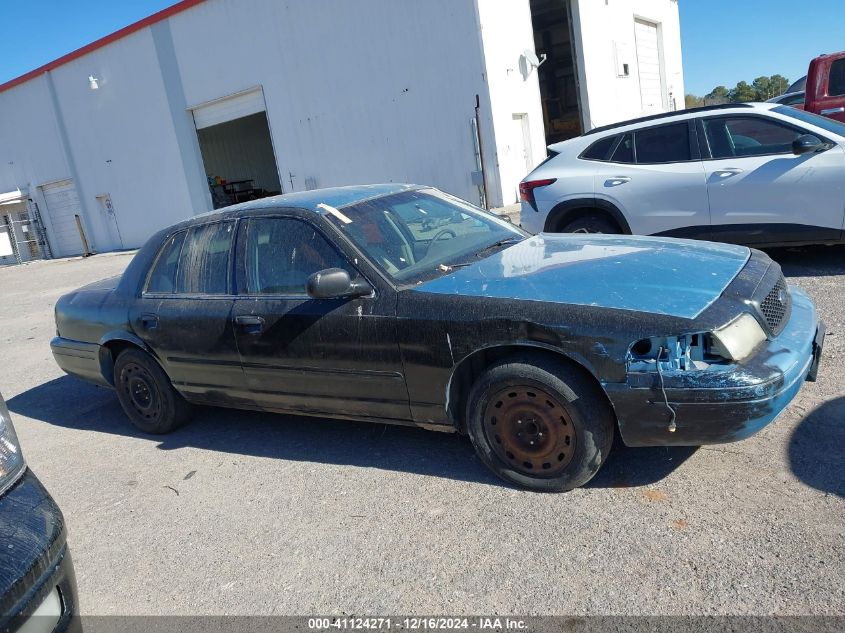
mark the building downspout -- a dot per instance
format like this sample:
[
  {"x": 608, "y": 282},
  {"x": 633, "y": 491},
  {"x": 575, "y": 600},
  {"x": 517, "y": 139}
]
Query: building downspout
[{"x": 480, "y": 154}]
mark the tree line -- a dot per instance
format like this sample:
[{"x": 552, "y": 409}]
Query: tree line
[{"x": 760, "y": 89}]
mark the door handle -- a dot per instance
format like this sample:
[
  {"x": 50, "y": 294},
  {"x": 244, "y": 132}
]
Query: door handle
[
  {"x": 616, "y": 181},
  {"x": 829, "y": 111},
  {"x": 727, "y": 172},
  {"x": 249, "y": 323},
  {"x": 149, "y": 321}
]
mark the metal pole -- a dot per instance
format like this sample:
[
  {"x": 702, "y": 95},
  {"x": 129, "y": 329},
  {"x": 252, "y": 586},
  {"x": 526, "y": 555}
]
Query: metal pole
[
  {"x": 481, "y": 151},
  {"x": 87, "y": 251}
]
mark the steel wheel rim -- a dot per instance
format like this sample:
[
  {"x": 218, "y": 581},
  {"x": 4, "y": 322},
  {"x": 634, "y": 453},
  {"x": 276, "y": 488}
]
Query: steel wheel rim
[
  {"x": 140, "y": 388},
  {"x": 530, "y": 430}
]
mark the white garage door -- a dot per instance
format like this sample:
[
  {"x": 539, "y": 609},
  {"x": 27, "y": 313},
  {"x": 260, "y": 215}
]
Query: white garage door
[
  {"x": 62, "y": 205},
  {"x": 229, "y": 108},
  {"x": 648, "y": 62}
]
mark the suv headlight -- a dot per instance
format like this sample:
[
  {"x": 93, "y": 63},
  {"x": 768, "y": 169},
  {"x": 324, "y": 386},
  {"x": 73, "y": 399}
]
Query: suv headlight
[
  {"x": 11, "y": 459},
  {"x": 739, "y": 338}
]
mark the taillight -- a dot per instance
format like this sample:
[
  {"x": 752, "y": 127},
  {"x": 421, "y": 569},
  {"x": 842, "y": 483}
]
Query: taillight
[{"x": 526, "y": 189}]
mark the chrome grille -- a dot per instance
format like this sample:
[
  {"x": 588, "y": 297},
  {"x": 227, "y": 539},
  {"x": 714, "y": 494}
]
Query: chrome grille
[{"x": 775, "y": 308}]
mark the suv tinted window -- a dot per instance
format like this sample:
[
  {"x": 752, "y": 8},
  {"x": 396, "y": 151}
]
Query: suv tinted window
[
  {"x": 204, "y": 263},
  {"x": 281, "y": 253},
  {"x": 599, "y": 149},
  {"x": 748, "y": 136},
  {"x": 624, "y": 152},
  {"x": 836, "y": 82},
  {"x": 793, "y": 99},
  {"x": 663, "y": 144},
  {"x": 163, "y": 276}
]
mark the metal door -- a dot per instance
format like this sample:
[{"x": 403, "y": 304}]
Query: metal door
[
  {"x": 648, "y": 63},
  {"x": 62, "y": 207}
]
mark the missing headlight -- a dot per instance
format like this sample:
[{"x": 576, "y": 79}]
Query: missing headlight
[{"x": 687, "y": 352}]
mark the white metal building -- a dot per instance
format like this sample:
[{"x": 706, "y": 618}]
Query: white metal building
[{"x": 214, "y": 101}]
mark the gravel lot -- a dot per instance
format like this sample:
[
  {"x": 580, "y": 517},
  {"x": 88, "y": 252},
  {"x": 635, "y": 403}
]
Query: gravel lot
[{"x": 242, "y": 513}]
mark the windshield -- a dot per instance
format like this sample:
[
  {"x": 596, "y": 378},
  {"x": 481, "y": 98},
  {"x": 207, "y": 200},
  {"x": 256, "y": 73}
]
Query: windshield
[
  {"x": 835, "y": 127},
  {"x": 416, "y": 235}
]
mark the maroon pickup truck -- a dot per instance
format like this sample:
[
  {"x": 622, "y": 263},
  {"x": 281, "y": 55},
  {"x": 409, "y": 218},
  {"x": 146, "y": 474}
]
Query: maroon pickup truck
[
  {"x": 822, "y": 90},
  {"x": 825, "y": 89}
]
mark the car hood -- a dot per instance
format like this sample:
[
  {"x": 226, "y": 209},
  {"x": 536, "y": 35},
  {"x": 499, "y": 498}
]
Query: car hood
[{"x": 647, "y": 274}]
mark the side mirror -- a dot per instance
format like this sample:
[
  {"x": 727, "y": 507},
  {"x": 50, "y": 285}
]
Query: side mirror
[
  {"x": 806, "y": 144},
  {"x": 334, "y": 283}
]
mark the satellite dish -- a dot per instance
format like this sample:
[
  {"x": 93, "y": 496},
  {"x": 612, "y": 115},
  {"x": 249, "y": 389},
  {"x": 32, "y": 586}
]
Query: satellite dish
[
  {"x": 531, "y": 58},
  {"x": 528, "y": 61}
]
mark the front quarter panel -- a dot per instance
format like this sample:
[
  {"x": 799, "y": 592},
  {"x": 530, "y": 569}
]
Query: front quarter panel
[{"x": 437, "y": 332}]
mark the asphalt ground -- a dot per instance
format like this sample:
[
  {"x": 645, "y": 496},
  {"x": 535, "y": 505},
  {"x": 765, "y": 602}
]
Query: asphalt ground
[{"x": 248, "y": 513}]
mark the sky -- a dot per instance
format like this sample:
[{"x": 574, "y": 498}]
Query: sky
[
  {"x": 724, "y": 41},
  {"x": 34, "y": 32}
]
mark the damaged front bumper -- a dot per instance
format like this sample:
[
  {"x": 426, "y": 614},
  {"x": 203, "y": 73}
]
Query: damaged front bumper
[{"x": 726, "y": 404}]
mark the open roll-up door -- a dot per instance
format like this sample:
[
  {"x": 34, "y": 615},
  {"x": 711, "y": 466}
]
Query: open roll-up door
[{"x": 229, "y": 108}]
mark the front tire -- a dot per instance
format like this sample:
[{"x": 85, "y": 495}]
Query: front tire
[
  {"x": 147, "y": 395},
  {"x": 539, "y": 424}
]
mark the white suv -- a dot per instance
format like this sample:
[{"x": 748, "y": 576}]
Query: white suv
[{"x": 761, "y": 174}]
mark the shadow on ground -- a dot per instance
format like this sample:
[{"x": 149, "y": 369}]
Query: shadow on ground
[
  {"x": 74, "y": 404},
  {"x": 810, "y": 261},
  {"x": 816, "y": 453}
]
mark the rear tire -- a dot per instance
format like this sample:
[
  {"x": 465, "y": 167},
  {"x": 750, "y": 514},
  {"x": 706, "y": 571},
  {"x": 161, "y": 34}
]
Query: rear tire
[
  {"x": 147, "y": 395},
  {"x": 592, "y": 223},
  {"x": 539, "y": 424}
]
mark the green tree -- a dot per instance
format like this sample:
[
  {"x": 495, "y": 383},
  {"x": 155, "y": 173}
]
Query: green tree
[
  {"x": 779, "y": 85},
  {"x": 742, "y": 92},
  {"x": 719, "y": 94},
  {"x": 762, "y": 88},
  {"x": 693, "y": 101},
  {"x": 768, "y": 87}
]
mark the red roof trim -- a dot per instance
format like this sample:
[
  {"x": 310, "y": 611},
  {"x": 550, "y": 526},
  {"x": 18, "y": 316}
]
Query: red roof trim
[{"x": 103, "y": 41}]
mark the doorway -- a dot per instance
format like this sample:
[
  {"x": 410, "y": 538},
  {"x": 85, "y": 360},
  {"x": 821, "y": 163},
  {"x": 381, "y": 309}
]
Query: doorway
[
  {"x": 552, "y": 24},
  {"x": 237, "y": 149}
]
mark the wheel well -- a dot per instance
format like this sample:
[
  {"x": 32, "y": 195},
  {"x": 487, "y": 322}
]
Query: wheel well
[
  {"x": 108, "y": 354},
  {"x": 471, "y": 367},
  {"x": 567, "y": 212}
]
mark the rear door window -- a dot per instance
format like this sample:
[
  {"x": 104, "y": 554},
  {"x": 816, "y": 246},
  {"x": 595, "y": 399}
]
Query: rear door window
[
  {"x": 600, "y": 149},
  {"x": 163, "y": 276},
  {"x": 624, "y": 152},
  {"x": 663, "y": 144},
  {"x": 205, "y": 261}
]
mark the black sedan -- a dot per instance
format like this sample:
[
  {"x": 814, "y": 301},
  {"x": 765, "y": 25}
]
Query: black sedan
[
  {"x": 402, "y": 304},
  {"x": 37, "y": 582}
]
